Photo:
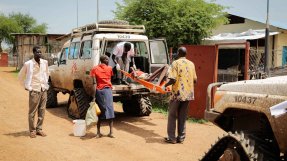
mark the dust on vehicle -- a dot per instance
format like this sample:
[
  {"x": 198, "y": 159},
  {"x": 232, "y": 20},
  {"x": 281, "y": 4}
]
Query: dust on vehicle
[
  {"x": 243, "y": 110},
  {"x": 71, "y": 73}
]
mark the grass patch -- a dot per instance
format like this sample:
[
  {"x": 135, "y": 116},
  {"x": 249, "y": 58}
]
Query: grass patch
[
  {"x": 162, "y": 107},
  {"x": 198, "y": 121},
  {"x": 15, "y": 72},
  {"x": 160, "y": 103}
]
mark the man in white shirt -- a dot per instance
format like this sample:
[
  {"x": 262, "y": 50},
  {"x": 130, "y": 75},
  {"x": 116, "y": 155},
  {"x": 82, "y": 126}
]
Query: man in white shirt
[
  {"x": 122, "y": 55},
  {"x": 34, "y": 77}
]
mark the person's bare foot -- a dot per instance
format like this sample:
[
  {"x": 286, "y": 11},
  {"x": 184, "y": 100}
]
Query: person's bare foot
[
  {"x": 99, "y": 135},
  {"x": 32, "y": 134},
  {"x": 111, "y": 135},
  {"x": 41, "y": 133}
]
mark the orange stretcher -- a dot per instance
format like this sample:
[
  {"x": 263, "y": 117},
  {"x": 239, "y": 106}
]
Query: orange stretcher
[
  {"x": 145, "y": 83},
  {"x": 154, "y": 87}
]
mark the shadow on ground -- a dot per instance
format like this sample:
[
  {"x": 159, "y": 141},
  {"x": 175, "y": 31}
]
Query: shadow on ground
[
  {"x": 122, "y": 121},
  {"x": 60, "y": 110},
  {"x": 18, "y": 134}
]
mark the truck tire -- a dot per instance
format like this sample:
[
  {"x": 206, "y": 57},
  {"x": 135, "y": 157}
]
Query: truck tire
[
  {"x": 138, "y": 106},
  {"x": 78, "y": 104},
  {"x": 234, "y": 145},
  {"x": 116, "y": 22},
  {"x": 145, "y": 106},
  {"x": 52, "y": 100}
]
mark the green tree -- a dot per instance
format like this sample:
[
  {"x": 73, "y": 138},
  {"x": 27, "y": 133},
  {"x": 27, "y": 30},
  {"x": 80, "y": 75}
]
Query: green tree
[
  {"x": 179, "y": 21},
  {"x": 27, "y": 23},
  {"x": 7, "y": 26},
  {"x": 18, "y": 23}
]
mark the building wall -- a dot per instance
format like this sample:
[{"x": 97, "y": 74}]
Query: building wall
[
  {"x": 55, "y": 45},
  {"x": 280, "y": 42},
  {"x": 25, "y": 43}
]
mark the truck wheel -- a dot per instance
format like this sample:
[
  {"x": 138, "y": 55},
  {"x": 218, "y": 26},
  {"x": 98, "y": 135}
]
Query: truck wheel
[
  {"x": 128, "y": 107},
  {"x": 78, "y": 103},
  {"x": 138, "y": 106},
  {"x": 239, "y": 145},
  {"x": 72, "y": 108},
  {"x": 145, "y": 106},
  {"x": 232, "y": 147},
  {"x": 52, "y": 100}
]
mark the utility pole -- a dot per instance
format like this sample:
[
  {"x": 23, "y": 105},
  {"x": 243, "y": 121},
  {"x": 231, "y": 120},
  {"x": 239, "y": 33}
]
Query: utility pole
[
  {"x": 77, "y": 15},
  {"x": 98, "y": 11},
  {"x": 266, "y": 63}
]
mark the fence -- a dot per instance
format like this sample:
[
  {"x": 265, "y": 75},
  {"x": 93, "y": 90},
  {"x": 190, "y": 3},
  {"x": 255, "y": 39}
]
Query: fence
[
  {"x": 50, "y": 57},
  {"x": 256, "y": 63}
]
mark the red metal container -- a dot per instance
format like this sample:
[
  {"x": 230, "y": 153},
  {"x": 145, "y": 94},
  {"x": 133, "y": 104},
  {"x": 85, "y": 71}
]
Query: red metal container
[
  {"x": 3, "y": 60},
  {"x": 205, "y": 61}
]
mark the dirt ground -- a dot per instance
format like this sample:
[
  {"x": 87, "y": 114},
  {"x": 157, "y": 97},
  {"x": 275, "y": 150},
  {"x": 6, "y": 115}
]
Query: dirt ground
[{"x": 136, "y": 138}]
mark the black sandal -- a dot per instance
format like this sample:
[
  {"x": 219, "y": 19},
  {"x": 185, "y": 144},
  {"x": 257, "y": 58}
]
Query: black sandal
[{"x": 168, "y": 140}]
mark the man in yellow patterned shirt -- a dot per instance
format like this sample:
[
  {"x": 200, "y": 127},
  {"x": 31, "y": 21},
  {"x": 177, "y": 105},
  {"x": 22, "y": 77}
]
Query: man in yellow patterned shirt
[{"x": 182, "y": 77}]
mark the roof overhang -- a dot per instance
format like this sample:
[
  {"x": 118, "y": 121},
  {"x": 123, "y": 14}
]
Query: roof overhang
[{"x": 243, "y": 36}]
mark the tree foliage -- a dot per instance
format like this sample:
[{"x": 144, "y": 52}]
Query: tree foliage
[
  {"x": 18, "y": 23},
  {"x": 7, "y": 26},
  {"x": 179, "y": 21},
  {"x": 27, "y": 23}
]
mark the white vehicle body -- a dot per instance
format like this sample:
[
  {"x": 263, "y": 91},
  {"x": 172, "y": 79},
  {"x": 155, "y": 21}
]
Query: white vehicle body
[{"x": 82, "y": 52}]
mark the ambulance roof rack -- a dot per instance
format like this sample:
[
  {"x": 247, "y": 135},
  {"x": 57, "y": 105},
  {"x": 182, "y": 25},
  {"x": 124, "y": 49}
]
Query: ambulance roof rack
[{"x": 108, "y": 28}]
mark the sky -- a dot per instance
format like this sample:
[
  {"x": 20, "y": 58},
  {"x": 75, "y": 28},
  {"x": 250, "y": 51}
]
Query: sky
[
  {"x": 257, "y": 10},
  {"x": 61, "y": 15}
]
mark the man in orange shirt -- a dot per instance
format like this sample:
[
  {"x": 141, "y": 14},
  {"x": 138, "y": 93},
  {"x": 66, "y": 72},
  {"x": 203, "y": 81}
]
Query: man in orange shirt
[{"x": 102, "y": 74}]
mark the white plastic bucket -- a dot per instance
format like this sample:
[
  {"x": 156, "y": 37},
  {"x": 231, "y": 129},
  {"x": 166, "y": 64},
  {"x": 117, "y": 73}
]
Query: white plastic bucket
[{"x": 79, "y": 127}]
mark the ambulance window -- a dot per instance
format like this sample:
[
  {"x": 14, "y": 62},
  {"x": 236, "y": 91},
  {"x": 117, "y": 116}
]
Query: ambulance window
[
  {"x": 64, "y": 55},
  {"x": 141, "y": 49},
  {"x": 158, "y": 52},
  {"x": 74, "y": 50},
  {"x": 86, "y": 49}
]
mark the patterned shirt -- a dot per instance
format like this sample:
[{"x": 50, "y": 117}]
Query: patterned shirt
[{"x": 183, "y": 72}]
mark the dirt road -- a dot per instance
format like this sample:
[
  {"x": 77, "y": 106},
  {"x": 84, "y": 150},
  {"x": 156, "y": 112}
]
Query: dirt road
[{"x": 137, "y": 139}]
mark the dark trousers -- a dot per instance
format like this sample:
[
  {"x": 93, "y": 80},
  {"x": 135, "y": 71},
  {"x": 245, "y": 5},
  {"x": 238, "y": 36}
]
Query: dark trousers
[
  {"x": 177, "y": 111},
  {"x": 125, "y": 65},
  {"x": 37, "y": 103}
]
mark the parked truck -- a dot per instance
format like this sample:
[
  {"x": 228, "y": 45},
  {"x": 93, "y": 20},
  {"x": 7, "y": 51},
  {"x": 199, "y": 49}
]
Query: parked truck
[
  {"x": 71, "y": 73},
  {"x": 243, "y": 110}
]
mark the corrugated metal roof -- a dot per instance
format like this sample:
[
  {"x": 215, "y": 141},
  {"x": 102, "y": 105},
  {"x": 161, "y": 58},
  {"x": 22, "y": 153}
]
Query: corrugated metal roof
[{"x": 247, "y": 35}]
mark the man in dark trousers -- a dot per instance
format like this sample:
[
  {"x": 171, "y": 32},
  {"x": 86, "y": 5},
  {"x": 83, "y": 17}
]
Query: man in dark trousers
[
  {"x": 182, "y": 77},
  {"x": 34, "y": 76},
  {"x": 122, "y": 55}
]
